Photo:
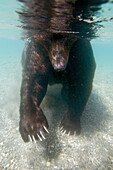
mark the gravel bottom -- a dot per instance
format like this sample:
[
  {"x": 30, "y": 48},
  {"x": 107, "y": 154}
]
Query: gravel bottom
[{"x": 92, "y": 149}]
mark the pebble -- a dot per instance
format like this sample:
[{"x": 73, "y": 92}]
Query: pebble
[{"x": 48, "y": 163}]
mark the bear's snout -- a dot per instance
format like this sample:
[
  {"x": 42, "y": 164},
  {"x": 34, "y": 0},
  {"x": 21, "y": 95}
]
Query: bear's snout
[{"x": 59, "y": 62}]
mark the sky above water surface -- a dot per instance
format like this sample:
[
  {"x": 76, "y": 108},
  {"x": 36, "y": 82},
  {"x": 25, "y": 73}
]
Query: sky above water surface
[
  {"x": 10, "y": 33},
  {"x": 9, "y": 20}
]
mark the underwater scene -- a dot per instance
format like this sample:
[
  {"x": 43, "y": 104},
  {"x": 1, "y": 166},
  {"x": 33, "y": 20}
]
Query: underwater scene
[{"x": 93, "y": 148}]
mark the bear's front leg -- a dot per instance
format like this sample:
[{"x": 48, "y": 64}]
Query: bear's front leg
[
  {"x": 76, "y": 103},
  {"x": 81, "y": 68},
  {"x": 33, "y": 123}
]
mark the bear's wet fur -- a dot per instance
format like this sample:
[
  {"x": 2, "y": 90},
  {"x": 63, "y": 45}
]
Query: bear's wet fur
[
  {"x": 58, "y": 58},
  {"x": 38, "y": 72}
]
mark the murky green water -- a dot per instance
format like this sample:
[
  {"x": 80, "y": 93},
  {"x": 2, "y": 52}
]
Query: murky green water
[{"x": 93, "y": 149}]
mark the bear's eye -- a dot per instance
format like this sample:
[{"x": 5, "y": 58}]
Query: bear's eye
[
  {"x": 54, "y": 53},
  {"x": 62, "y": 53}
]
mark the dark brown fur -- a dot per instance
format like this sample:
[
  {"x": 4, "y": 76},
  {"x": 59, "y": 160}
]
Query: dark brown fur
[
  {"x": 38, "y": 72},
  {"x": 55, "y": 54}
]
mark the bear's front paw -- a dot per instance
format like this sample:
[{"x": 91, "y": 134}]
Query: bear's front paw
[
  {"x": 33, "y": 126},
  {"x": 70, "y": 125}
]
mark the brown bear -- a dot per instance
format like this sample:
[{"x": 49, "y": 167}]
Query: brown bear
[{"x": 55, "y": 53}]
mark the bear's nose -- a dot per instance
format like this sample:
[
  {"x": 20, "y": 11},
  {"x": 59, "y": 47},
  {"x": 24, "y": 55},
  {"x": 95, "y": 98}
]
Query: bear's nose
[{"x": 59, "y": 64}]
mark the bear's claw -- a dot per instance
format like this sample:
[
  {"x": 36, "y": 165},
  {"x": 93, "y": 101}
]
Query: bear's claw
[
  {"x": 29, "y": 137},
  {"x": 33, "y": 139},
  {"x": 46, "y": 129},
  {"x": 40, "y": 137},
  {"x": 64, "y": 131}
]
